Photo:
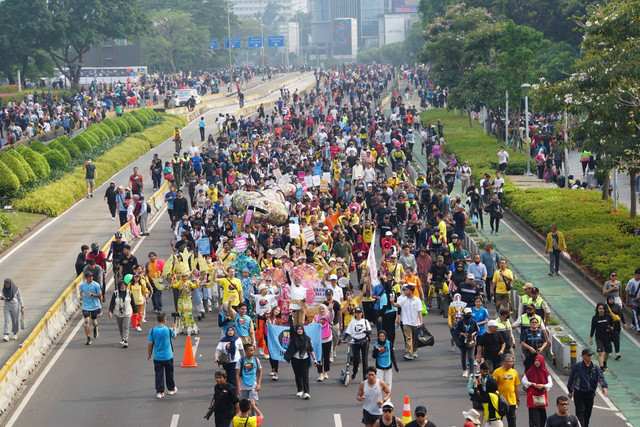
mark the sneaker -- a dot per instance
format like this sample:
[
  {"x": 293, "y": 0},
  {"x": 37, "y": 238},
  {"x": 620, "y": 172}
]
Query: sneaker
[
  {"x": 275, "y": 377},
  {"x": 159, "y": 395},
  {"x": 174, "y": 391},
  {"x": 550, "y": 274},
  {"x": 415, "y": 355},
  {"x": 125, "y": 345},
  {"x": 331, "y": 359},
  {"x": 121, "y": 342},
  {"x": 496, "y": 233},
  {"x": 465, "y": 374},
  {"x": 299, "y": 394},
  {"x": 307, "y": 396},
  {"x": 266, "y": 356},
  {"x": 95, "y": 331},
  {"x": 408, "y": 357},
  {"x": 618, "y": 356},
  {"x": 15, "y": 337},
  {"x": 353, "y": 375},
  {"x": 320, "y": 378},
  {"x": 144, "y": 320},
  {"x": 5, "y": 338},
  {"x": 326, "y": 376},
  {"x": 271, "y": 373},
  {"x": 139, "y": 329},
  {"x": 453, "y": 348},
  {"x": 491, "y": 232},
  {"x": 89, "y": 342},
  {"x": 113, "y": 218}
]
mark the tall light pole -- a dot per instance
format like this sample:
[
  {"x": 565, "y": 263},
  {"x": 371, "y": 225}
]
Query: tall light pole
[
  {"x": 262, "y": 34},
  {"x": 526, "y": 86},
  {"x": 506, "y": 121},
  {"x": 229, "y": 43}
]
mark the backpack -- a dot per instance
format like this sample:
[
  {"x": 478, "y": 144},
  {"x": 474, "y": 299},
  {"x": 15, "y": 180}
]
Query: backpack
[{"x": 503, "y": 405}]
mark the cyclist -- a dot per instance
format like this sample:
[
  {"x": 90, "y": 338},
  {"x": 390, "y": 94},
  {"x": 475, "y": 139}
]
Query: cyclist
[
  {"x": 438, "y": 278},
  {"x": 176, "y": 163},
  {"x": 177, "y": 138},
  {"x": 116, "y": 254},
  {"x": 436, "y": 242}
]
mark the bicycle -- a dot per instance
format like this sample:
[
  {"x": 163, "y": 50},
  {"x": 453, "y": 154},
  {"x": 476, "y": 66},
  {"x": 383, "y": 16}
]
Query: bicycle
[
  {"x": 441, "y": 294},
  {"x": 178, "y": 144}
]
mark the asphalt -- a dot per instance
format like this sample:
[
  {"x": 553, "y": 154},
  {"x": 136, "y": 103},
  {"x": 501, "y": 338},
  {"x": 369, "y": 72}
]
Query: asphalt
[
  {"x": 42, "y": 265},
  {"x": 102, "y": 381}
]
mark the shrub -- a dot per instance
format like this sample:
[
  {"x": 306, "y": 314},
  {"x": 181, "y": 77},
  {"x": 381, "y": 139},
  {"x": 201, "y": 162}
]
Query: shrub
[
  {"x": 56, "y": 145},
  {"x": 92, "y": 138},
  {"x": 30, "y": 173},
  {"x": 36, "y": 160},
  {"x": 134, "y": 124},
  {"x": 123, "y": 125},
  {"x": 107, "y": 130},
  {"x": 39, "y": 147},
  {"x": 9, "y": 182},
  {"x": 15, "y": 166},
  {"x": 98, "y": 132},
  {"x": 81, "y": 142},
  {"x": 72, "y": 148},
  {"x": 141, "y": 116},
  {"x": 56, "y": 160},
  {"x": 111, "y": 125}
]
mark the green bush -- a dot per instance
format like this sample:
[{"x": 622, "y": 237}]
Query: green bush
[
  {"x": 91, "y": 138},
  {"x": 9, "y": 182},
  {"x": 39, "y": 147},
  {"x": 97, "y": 131},
  {"x": 134, "y": 124},
  {"x": 36, "y": 160},
  {"x": 56, "y": 160},
  {"x": 15, "y": 166},
  {"x": 141, "y": 116},
  {"x": 30, "y": 173},
  {"x": 56, "y": 145},
  {"x": 107, "y": 130},
  {"x": 111, "y": 125},
  {"x": 72, "y": 148},
  {"x": 81, "y": 142},
  {"x": 125, "y": 129}
]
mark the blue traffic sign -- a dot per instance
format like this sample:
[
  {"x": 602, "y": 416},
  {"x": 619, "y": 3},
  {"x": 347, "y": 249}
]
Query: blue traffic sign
[
  {"x": 254, "y": 42},
  {"x": 213, "y": 44},
  {"x": 236, "y": 43},
  {"x": 275, "y": 41}
]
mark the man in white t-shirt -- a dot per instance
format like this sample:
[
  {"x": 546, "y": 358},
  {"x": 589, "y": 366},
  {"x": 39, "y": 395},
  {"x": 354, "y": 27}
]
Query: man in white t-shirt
[
  {"x": 503, "y": 159},
  {"x": 410, "y": 319},
  {"x": 633, "y": 298},
  {"x": 498, "y": 184}
]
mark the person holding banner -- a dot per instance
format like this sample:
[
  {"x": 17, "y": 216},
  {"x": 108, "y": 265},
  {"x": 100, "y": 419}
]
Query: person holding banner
[
  {"x": 298, "y": 303},
  {"x": 300, "y": 354},
  {"x": 324, "y": 318}
]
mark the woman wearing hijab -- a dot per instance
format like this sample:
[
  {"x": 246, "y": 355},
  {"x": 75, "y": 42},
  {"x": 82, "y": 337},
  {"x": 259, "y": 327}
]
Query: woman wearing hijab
[
  {"x": 123, "y": 306},
  {"x": 228, "y": 352},
  {"x": 536, "y": 382},
  {"x": 615, "y": 311},
  {"x": 385, "y": 358},
  {"x": 12, "y": 304},
  {"x": 388, "y": 312},
  {"x": 300, "y": 354}
]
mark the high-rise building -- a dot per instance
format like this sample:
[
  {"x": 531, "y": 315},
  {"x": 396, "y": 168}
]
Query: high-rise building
[{"x": 287, "y": 8}]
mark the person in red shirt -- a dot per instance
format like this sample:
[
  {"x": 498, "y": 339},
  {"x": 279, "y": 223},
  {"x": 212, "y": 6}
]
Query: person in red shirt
[{"x": 135, "y": 182}]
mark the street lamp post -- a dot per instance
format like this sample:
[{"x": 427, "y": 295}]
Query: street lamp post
[
  {"x": 229, "y": 44},
  {"x": 262, "y": 34},
  {"x": 506, "y": 121},
  {"x": 526, "y": 86}
]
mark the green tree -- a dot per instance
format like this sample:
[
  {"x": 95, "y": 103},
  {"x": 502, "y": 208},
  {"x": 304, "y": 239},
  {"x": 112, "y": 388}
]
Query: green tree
[{"x": 429, "y": 10}]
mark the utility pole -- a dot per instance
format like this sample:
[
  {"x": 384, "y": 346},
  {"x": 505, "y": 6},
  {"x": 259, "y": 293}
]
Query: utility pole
[
  {"x": 526, "y": 86},
  {"x": 229, "y": 43},
  {"x": 566, "y": 149},
  {"x": 262, "y": 34},
  {"x": 506, "y": 122}
]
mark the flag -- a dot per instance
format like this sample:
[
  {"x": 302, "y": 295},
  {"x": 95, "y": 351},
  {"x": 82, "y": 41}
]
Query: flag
[{"x": 371, "y": 262}]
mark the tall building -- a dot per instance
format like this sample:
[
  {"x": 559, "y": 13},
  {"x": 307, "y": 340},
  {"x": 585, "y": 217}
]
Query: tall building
[{"x": 251, "y": 7}]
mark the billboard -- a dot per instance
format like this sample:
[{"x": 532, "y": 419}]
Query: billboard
[
  {"x": 405, "y": 6},
  {"x": 344, "y": 37}
]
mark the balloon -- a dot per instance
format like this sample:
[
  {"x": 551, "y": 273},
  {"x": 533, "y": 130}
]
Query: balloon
[
  {"x": 128, "y": 278},
  {"x": 160, "y": 264}
]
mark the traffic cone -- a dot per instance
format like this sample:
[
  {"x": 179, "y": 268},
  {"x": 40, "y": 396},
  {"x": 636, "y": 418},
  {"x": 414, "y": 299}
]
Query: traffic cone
[
  {"x": 406, "y": 411},
  {"x": 188, "y": 361}
]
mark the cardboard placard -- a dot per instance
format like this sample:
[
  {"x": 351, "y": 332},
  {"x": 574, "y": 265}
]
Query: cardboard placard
[
  {"x": 240, "y": 243},
  {"x": 294, "y": 231},
  {"x": 308, "y": 234},
  {"x": 204, "y": 248},
  {"x": 324, "y": 186},
  {"x": 316, "y": 180}
]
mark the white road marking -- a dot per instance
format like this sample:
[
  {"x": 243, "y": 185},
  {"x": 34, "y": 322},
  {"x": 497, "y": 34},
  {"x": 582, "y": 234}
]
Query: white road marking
[
  {"x": 195, "y": 345},
  {"x": 174, "y": 420},
  {"x": 71, "y": 336},
  {"x": 337, "y": 419}
]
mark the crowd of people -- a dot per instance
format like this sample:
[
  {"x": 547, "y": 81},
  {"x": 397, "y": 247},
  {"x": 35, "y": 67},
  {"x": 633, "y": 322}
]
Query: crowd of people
[{"x": 355, "y": 191}]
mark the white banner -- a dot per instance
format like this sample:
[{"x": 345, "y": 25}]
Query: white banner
[{"x": 371, "y": 262}]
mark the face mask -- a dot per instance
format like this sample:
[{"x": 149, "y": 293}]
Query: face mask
[{"x": 477, "y": 262}]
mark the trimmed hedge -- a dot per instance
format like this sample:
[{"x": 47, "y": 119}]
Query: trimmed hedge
[
  {"x": 16, "y": 166},
  {"x": 134, "y": 124},
  {"x": 9, "y": 182},
  {"x": 72, "y": 148},
  {"x": 107, "y": 130},
  {"x": 56, "y": 145},
  {"x": 39, "y": 147},
  {"x": 30, "y": 173},
  {"x": 111, "y": 125},
  {"x": 81, "y": 142},
  {"x": 36, "y": 160},
  {"x": 54, "y": 198},
  {"x": 56, "y": 160},
  {"x": 125, "y": 129},
  {"x": 98, "y": 132}
]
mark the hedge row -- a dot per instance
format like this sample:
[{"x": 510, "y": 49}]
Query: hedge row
[
  {"x": 54, "y": 198},
  {"x": 596, "y": 236},
  {"x": 60, "y": 153}
]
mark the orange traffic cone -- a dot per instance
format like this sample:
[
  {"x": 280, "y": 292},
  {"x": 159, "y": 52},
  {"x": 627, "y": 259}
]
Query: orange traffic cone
[
  {"x": 188, "y": 361},
  {"x": 406, "y": 411}
]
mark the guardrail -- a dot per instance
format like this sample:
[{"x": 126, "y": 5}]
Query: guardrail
[{"x": 24, "y": 361}]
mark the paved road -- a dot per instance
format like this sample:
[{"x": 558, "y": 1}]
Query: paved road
[{"x": 42, "y": 265}]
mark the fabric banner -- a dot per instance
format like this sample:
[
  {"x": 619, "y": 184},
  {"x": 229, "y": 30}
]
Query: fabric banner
[
  {"x": 279, "y": 338},
  {"x": 371, "y": 262}
]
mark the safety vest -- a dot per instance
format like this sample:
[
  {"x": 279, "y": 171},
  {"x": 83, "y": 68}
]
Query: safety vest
[
  {"x": 526, "y": 300},
  {"x": 526, "y": 320},
  {"x": 436, "y": 241},
  {"x": 537, "y": 303},
  {"x": 504, "y": 329},
  {"x": 419, "y": 181}
]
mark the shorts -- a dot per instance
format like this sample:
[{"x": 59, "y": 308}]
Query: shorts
[
  {"x": 502, "y": 167},
  {"x": 93, "y": 313},
  {"x": 602, "y": 346},
  {"x": 368, "y": 418},
  {"x": 91, "y": 182},
  {"x": 249, "y": 394},
  {"x": 503, "y": 297}
]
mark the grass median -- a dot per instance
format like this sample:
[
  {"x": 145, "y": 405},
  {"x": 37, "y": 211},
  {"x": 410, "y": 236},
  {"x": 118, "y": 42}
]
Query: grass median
[{"x": 597, "y": 236}]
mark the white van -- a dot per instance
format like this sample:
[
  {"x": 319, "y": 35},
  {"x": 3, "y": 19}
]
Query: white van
[{"x": 183, "y": 95}]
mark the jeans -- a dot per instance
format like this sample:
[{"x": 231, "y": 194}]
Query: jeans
[
  {"x": 511, "y": 416},
  {"x": 554, "y": 262},
  {"x": 157, "y": 180},
  {"x": 301, "y": 372},
  {"x": 389, "y": 325},
  {"x": 123, "y": 326},
  {"x": 164, "y": 369},
  {"x": 584, "y": 406},
  {"x": 466, "y": 357},
  {"x": 156, "y": 299}
]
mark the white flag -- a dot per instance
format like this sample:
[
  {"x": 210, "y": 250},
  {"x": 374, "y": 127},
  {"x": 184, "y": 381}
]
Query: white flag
[{"x": 371, "y": 262}]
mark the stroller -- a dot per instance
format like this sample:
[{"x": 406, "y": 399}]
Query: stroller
[{"x": 345, "y": 376}]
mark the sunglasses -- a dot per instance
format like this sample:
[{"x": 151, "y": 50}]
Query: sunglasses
[
  {"x": 614, "y": 275},
  {"x": 387, "y": 410},
  {"x": 421, "y": 414}
]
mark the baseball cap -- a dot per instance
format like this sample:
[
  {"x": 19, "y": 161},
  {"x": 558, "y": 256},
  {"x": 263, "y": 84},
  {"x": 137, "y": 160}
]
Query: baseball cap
[
  {"x": 527, "y": 286},
  {"x": 328, "y": 291},
  {"x": 358, "y": 310},
  {"x": 468, "y": 310},
  {"x": 333, "y": 277},
  {"x": 470, "y": 276},
  {"x": 587, "y": 352},
  {"x": 388, "y": 233},
  {"x": 492, "y": 323},
  {"x": 388, "y": 403}
]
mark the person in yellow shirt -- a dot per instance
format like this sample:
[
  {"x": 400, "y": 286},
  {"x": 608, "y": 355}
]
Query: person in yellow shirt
[
  {"x": 243, "y": 419},
  {"x": 349, "y": 305},
  {"x": 394, "y": 181},
  {"x": 367, "y": 232},
  {"x": 502, "y": 284},
  {"x": 225, "y": 255},
  {"x": 231, "y": 286},
  {"x": 394, "y": 268},
  {"x": 508, "y": 382},
  {"x": 212, "y": 193},
  {"x": 442, "y": 226}
]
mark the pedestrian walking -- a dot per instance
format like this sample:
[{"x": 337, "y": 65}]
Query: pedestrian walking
[
  {"x": 385, "y": 358},
  {"x": 616, "y": 313},
  {"x": 301, "y": 355},
  {"x": 248, "y": 374},
  {"x": 91, "y": 297},
  {"x": 562, "y": 418},
  {"x": 91, "y": 174},
  {"x": 372, "y": 392},
  {"x": 244, "y": 418},
  {"x": 161, "y": 348},
  {"x": 602, "y": 327},
  {"x": 467, "y": 332},
  {"x": 110, "y": 198},
  {"x": 201, "y": 126},
  {"x": 224, "y": 403},
  {"x": 13, "y": 307},
  {"x": 554, "y": 246},
  {"x": 508, "y": 382},
  {"x": 583, "y": 383},
  {"x": 536, "y": 382},
  {"x": 388, "y": 419},
  {"x": 123, "y": 306},
  {"x": 324, "y": 319},
  {"x": 228, "y": 352},
  {"x": 410, "y": 319}
]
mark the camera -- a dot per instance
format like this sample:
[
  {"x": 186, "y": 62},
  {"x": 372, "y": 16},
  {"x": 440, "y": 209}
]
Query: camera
[
  {"x": 209, "y": 413},
  {"x": 175, "y": 315}
]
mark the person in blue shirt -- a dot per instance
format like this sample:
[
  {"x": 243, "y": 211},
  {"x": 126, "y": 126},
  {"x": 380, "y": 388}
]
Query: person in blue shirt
[
  {"x": 201, "y": 127},
  {"x": 480, "y": 315},
  {"x": 169, "y": 197},
  {"x": 197, "y": 161},
  {"x": 385, "y": 358},
  {"x": 90, "y": 296},
  {"x": 160, "y": 347}
]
